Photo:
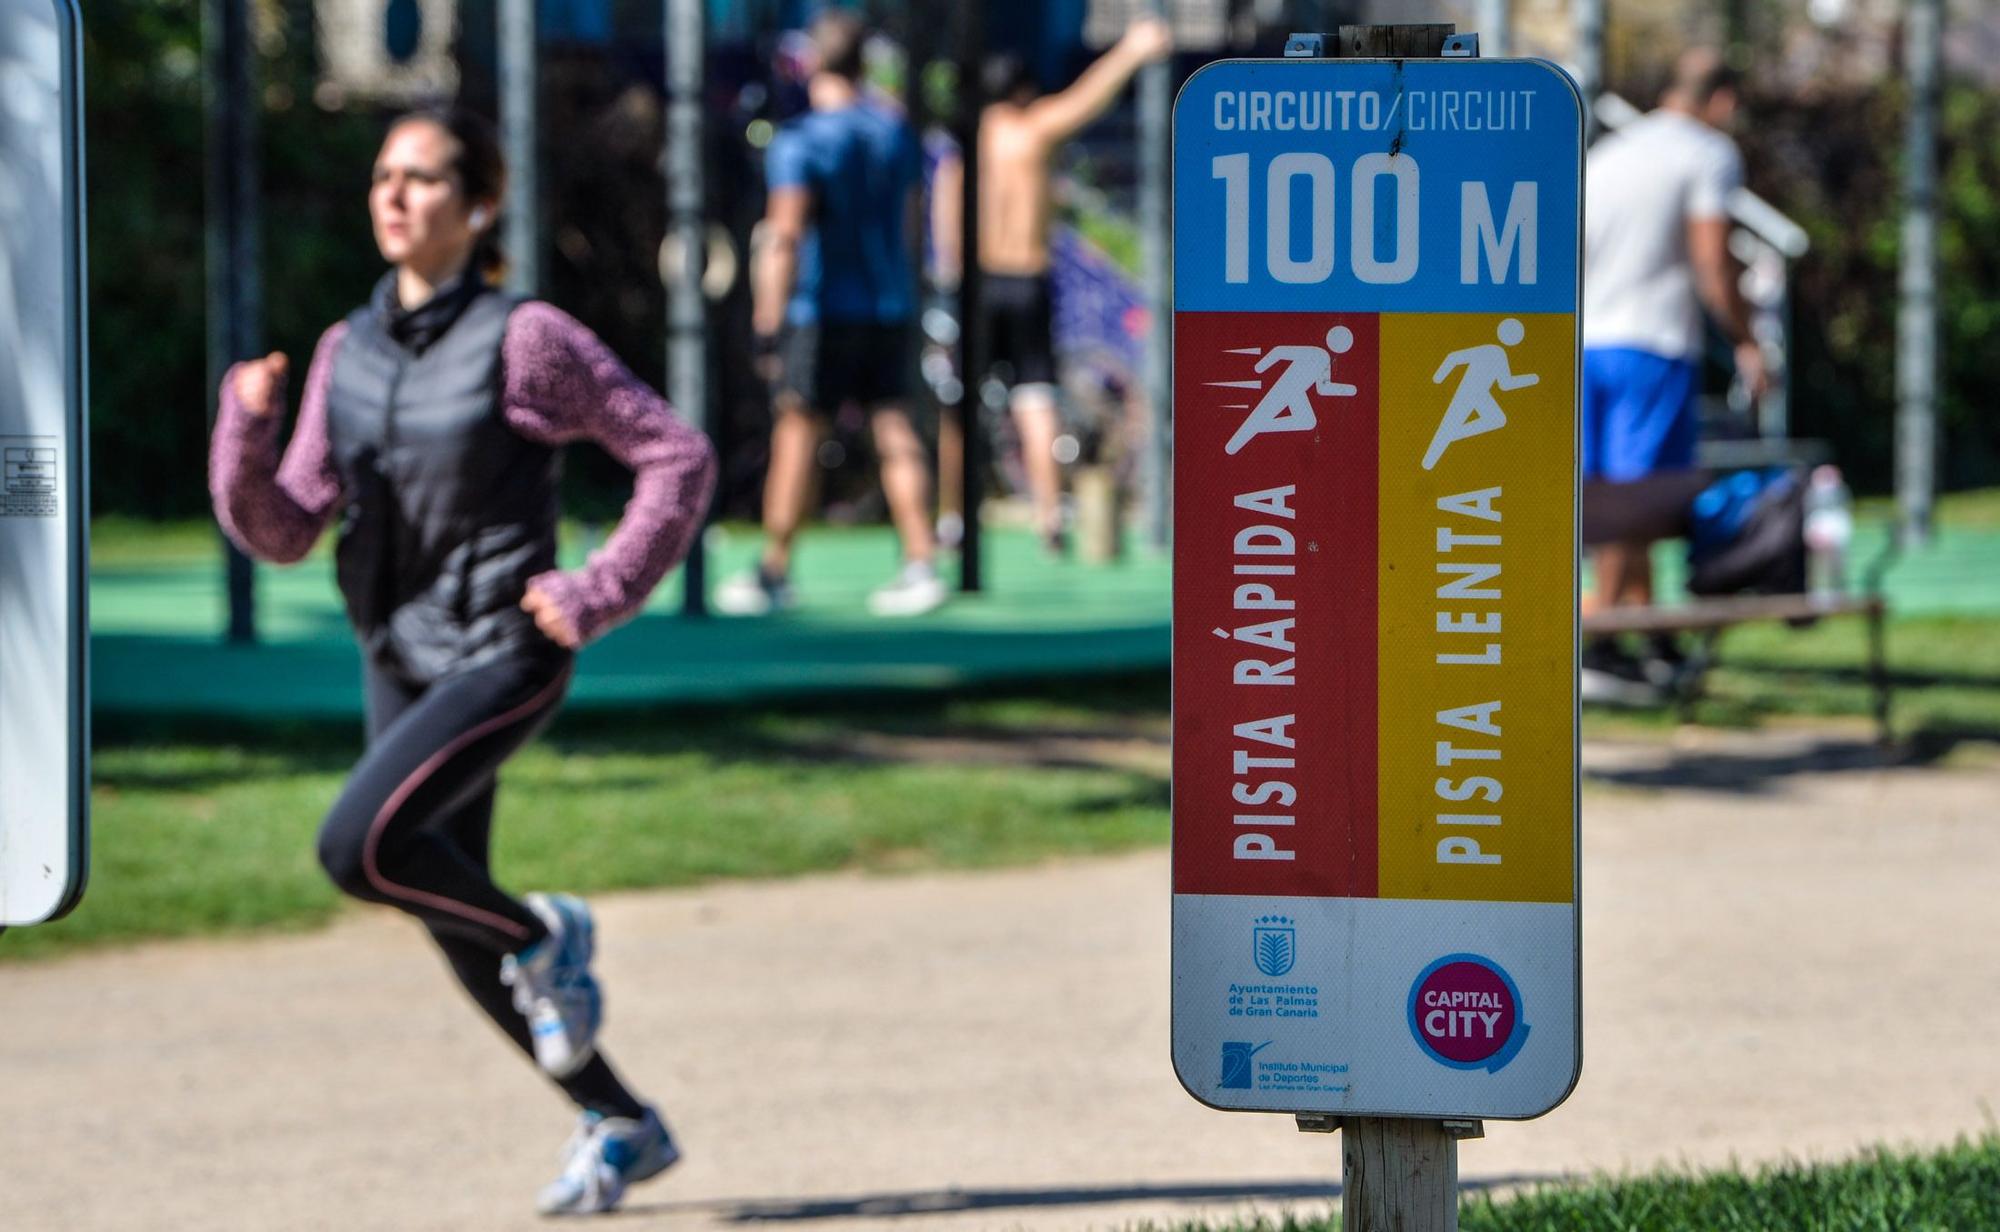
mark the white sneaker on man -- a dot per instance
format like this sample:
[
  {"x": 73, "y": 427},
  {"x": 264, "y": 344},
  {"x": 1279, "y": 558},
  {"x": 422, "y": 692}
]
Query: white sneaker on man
[
  {"x": 553, "y": 987},
  {"x": 755, "y": 592},
  {"x": 914, "y": 590},
  {"x": 1611, "y": 676},
  {"x": 602, "y": 1158}
]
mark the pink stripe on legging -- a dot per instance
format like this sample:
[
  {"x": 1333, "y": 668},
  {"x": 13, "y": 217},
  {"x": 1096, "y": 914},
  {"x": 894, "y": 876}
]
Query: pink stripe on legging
[{"x": 409, "y": 786}]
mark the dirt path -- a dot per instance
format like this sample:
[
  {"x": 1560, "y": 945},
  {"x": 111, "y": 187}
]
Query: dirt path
[{"x": 1794, "y": 957}]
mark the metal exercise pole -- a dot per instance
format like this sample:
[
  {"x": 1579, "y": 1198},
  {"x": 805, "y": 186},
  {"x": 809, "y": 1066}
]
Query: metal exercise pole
[
  {"x": 687, "y": 309},
  {"x": 971, "y": 330},
  {"x": 1917, "y": 321},
  {"x": 1496, "y": 28},
  {"x": 235, "y": 277},
  {"x": 518, "y": 120},
  {"x": 1589, "y": 18},
  {"x": 1156, "y": 246}
]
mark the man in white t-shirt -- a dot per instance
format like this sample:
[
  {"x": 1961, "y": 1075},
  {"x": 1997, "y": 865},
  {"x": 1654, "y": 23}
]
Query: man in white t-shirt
[{"x": 1656, "y": 252}]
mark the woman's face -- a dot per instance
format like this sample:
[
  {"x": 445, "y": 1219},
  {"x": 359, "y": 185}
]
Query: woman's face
[{"x": 421, "y": 217}]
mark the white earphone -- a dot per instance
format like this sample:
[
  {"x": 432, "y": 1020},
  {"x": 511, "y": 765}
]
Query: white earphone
[{"x": 478, "y": 217}]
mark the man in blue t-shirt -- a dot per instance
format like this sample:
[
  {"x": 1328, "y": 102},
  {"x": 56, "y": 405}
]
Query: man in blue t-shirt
[{"x": 834, "y": 306}]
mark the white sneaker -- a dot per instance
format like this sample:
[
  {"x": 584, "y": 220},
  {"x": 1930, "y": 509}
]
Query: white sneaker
[
  {"x": 553, "y": 987},
  {"x": 602, "y": 1158},
  {"x": 755, "y": 593},
  {"x": 914, "y": 590},
  {"x": 1610, "y": 689}
]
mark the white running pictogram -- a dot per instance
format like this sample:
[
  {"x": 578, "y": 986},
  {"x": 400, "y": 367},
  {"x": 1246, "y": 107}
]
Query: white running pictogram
[
  {"x": 1287, "y": 406},
  {"x": 1474, "y": 409}
]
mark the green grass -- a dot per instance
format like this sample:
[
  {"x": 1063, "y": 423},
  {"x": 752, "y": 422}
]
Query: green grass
[
  {"x": 1945, "y": 671},
  {"x": 121, "y": 542},
  {"x": 209, "y": 827},
  {"x": 1952, "y": 1190},
  {"x": 1978, "y": 510}
]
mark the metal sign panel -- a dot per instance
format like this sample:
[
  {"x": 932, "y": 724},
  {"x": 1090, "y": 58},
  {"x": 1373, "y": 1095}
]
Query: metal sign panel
[
  {"x": 1375, "y": 583},
  {"x": 44, "y": 777}
]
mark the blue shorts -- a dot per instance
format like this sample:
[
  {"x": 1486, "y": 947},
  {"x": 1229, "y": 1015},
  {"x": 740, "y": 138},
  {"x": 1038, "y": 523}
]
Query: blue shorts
[{"x": 1638, "y": 413}]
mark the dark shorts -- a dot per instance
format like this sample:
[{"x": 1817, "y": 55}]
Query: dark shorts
[
  {"x": 1020, "y": 328},
  {"x": 1639, "y": 413},
  {"x": 831, "y": 363}
]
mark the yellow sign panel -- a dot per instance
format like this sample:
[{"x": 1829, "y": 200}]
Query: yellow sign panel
[{"x": 1477, "y": 626}]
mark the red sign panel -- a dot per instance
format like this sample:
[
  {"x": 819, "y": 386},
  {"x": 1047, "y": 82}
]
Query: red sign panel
[{"x": 1274, "y": 604}]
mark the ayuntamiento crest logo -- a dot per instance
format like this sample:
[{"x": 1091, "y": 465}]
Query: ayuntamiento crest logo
[
  {"x": 1465, "y": 1012},
  {"x": 1275, "y": 944}
]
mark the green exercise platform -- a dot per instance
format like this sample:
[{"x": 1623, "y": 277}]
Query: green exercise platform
[
  {"x": 156, "y": 633},
  {"x": 156, "y": 627}
]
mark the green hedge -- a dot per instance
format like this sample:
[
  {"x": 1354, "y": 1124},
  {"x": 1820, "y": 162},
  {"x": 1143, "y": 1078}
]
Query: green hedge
[{"x": 1831, "y": 160}]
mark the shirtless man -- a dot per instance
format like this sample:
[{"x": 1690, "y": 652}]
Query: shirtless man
[{"x": 1019, "y": 134}]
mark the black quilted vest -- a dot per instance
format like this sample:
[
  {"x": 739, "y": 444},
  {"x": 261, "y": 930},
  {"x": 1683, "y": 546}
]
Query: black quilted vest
[{"x": 450, "y": 511}]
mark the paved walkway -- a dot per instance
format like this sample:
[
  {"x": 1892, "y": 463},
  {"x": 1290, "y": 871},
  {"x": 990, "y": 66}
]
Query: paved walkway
[{"x": 1793, "y": 956}]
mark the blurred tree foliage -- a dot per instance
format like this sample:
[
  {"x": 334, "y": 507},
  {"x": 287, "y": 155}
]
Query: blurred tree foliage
[
  {"x": 150, "y": 400},
  {"x": 1831, "y": 161},
  {"x": 1834, "y": 163},
  {"x": 142, "y": 93}
]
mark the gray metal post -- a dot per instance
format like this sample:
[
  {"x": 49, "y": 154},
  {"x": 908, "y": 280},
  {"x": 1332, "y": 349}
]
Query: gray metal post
[
  {"x": 687, "y": 309},
  {"x": 1156, "y": 248},
  {"x": 233, "y": 242},
  {"x": 1917, "y": 322},
  {"x": 971, "y": 331},
  {"x": 1496, "y": 33},
  {"x": 1775, "y": 417},
  {"x": 518, "y": 121},
  {"x": 1589, "y": 15}
]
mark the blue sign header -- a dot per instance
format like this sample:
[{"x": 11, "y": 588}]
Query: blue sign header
[{"x": 1377, "y": 186}]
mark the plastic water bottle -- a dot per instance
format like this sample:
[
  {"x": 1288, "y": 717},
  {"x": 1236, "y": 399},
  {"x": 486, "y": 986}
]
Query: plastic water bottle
[{"x": 1829, "y": 527}]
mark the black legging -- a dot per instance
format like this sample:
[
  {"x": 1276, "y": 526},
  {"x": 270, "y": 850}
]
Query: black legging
[{"x": 412, "y": 827}]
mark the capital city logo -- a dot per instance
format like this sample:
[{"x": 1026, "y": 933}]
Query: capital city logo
[
  {"x": 1275, "y": 944},
  {"x": 1465, "y": 1012},
  {"x": 1238, "y": 1074}
]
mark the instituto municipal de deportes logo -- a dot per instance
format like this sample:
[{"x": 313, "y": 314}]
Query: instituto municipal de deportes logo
[
  {"x": 1238, "y": 1071},
  {"x": 1465, "y": 1012},
  {"x": 1275, "y": 944}
]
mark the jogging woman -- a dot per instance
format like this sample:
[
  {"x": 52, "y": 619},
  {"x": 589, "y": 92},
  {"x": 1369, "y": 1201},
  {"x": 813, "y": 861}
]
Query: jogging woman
[{"x": 430, "y": 426}]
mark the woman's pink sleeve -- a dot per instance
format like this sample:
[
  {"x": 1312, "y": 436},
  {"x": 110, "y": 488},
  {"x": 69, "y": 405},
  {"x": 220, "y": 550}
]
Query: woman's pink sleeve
[
  {"x": 563, "y": 384},
  {"x": 276, "y": 510}
]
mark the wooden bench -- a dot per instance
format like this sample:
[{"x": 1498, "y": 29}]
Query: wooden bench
[{"x": 1709, "y": 617}]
